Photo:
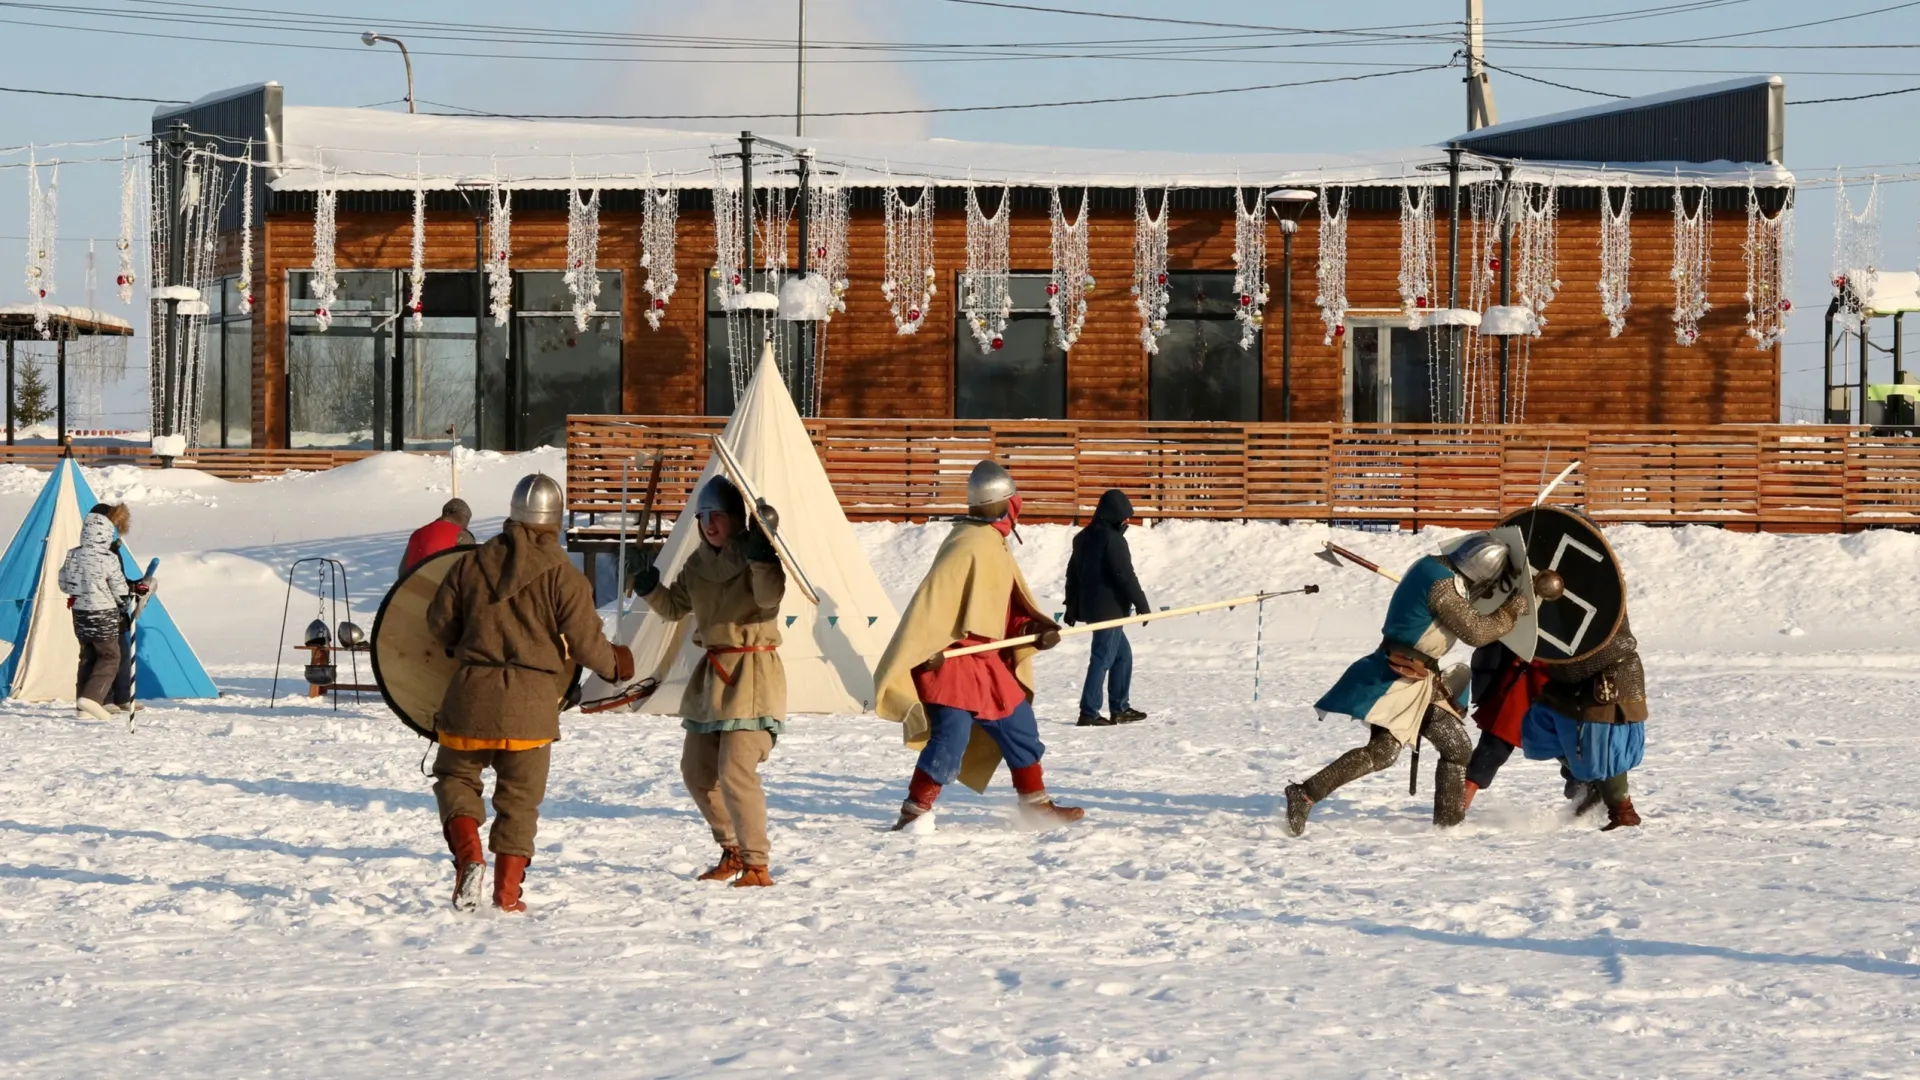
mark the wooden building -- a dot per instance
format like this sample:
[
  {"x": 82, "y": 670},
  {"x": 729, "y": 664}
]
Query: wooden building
[{"x": 375, "y": 378}]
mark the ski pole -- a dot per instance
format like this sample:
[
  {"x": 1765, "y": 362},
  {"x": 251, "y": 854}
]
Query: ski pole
[{"x": 1128, "y": 620}]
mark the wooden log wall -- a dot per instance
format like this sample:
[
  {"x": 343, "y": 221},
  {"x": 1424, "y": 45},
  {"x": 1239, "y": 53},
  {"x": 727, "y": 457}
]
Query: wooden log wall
[{"x": 1575, "y": 373}]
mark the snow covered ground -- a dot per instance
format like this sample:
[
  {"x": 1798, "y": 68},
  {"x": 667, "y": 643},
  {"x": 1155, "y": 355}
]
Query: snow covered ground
[{"x": 233, "y": 890}]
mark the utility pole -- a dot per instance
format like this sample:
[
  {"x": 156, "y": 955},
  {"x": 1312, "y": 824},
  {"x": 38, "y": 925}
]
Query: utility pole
[
  {"x": 1480, "y": 110},
  {"x": 800, "y": 78},
  {"x": 174, "y": 345}
]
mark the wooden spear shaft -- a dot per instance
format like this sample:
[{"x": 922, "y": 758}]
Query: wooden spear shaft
[
  {"x": 1361, "y": 562},
  {"x": 1127, "y": 620}
]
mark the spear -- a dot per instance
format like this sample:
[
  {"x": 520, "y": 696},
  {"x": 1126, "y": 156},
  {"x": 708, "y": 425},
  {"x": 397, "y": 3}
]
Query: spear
[{"x": 1128, "y": 620}]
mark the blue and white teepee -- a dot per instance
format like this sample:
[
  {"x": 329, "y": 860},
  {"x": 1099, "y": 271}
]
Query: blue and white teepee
[{"x": 38, "y": 653}]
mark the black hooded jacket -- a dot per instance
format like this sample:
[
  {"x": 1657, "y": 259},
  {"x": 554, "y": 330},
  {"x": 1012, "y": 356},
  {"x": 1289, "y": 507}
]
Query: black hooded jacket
[{"x": 1100, "y": 580}]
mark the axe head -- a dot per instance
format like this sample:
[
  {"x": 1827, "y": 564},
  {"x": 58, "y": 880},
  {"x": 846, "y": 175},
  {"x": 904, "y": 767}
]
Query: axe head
[{"x": 1328, "y": 555}]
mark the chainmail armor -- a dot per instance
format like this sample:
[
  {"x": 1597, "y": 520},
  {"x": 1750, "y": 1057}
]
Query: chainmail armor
[
  {"x": 1618, "y": 662},
  {"x": 1455, "y": 613}
]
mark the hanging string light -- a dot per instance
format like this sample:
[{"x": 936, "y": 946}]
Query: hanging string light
[
  {"x": 1416, "y": 253},
  {"x": 1768, "y": 253},
  {"x": 1537, "y": 259},
  {"x": 908, "y": 284},
  {"x": 987, "y": 299},
  {"x": 43, "y": 213},
  {"x": 1856, "y": 252},
  {"x": 1487, "y": 215},
  {"x": 583, "y": 254},
  {"x": 827, "y": 231},
  {"x": 1249, "y": 265},
  {"x": 326, "y": 281},
  {"x": 244, "y": 284},
  {"x": 1331, "y": 272},
  {"x": 1692, "y": 246},
  {"x": 129, "y": 205},
  {"x": 1072, "y": 276},
  {"x": 1616, "y": 258},
  {"x": 417, "y": 274},
  {"x": 1151, "y": 285},
  {"x": 729, "y": 238},
  {"x": 499, "y": 259},
  {"x": 659, "y": 221}
]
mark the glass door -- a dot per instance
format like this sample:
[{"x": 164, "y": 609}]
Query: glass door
[
  {"x": 1391, "y": 372},
  {"x": 557, "y": 369}
]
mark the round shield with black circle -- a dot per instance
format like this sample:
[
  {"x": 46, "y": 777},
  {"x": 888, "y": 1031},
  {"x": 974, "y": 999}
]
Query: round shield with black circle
[{"x": 1594, "y": 603}]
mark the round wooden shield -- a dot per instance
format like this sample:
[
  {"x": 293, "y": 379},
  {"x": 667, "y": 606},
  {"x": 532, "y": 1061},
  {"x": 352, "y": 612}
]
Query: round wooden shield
[
  {"x": 412, "y": 668},
  {"x": 1590, "y": 611}
]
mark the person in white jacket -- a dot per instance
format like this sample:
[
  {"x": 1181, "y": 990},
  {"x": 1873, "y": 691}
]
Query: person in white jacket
[{"x": 98, "y": 591}]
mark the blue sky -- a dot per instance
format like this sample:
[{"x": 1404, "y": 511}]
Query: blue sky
[{"x": 191, "y": 49}]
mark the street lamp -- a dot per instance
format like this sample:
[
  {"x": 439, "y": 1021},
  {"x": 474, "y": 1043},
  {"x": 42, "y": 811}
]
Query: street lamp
[
  {"x": 1288, "y": 205},
  {"x": 370, "y": 39}
]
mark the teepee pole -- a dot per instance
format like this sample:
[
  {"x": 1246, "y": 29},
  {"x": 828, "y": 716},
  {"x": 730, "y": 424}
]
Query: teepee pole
[{"x": 731, "y": 466}]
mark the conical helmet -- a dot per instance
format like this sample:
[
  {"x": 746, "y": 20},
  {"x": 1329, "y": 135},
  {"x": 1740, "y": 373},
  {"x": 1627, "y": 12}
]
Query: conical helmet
[{"x": 989, "y": 483}]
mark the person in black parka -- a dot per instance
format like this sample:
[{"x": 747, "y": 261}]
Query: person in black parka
[{"x": 1101, "y": 585}]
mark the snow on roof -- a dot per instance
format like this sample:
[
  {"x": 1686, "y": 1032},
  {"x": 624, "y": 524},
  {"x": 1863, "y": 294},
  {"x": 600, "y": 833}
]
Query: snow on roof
[
  {"x": 89, "y": 320},
  {"x": 1894, "y": 291},
  {"x": 366, "y": 150}
]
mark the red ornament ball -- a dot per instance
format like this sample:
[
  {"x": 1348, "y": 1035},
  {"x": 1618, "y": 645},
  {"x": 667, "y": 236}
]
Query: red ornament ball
[
  {"x": 659, "y": 305},
  {"x": 1339, "y": 330},
  {"x": 417, "y": 306},
  {"x": 1245, "y": 300},
  {"x": 1419, "y": 301},
  {"x": 1493, "y": 264},
  {"x": 1786, "y": 305},
  {"x": 1840, "y": 282},
  {"x": 1053, "y": 288},
  {"x": 1162, "y": 278},
  {"x": 736, "y": 279},
  {"x": 121, "y": 280},
  {"x": 999, "y": 343},
  {"x": 501, "y": 256},
  {"x": 43, "y": 294},
  {"x": 913, "y": 314},
  {"x": 820, "y": 252}
]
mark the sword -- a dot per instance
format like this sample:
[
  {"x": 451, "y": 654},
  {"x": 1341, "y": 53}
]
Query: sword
[
  {"x": 731, "y": 465},
  {"x": 1128, "y": 620}
]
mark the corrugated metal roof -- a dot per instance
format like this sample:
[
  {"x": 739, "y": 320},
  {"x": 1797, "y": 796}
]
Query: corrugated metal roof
[{"x": 1737, "y": 121}]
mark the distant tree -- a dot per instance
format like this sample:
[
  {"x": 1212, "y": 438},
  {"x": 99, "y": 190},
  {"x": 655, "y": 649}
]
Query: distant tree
[{"x": 32, "y": 397}]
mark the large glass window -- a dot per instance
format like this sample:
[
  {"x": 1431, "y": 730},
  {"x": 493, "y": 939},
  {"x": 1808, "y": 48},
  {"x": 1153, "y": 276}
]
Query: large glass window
[
  {"x": 1201, "y": 372},
  {"x": 1390, "y": 371},
  {"x": 1024, "y": 379},
  {"x": 751, "y": 330},
  {"x": 558, "y": 368},
  {"x": 336, "y": 378},
  {"x": 226, "y": 371}
]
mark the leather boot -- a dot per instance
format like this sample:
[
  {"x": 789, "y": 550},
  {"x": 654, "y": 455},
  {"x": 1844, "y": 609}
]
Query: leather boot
[
  {"x": 910, "y": 812},
  {"x": 1592, "y": 797},
  {"x": 508, "y": 872},
  {"x": 728, "y": 866},
  {"x": 751, "y": 876},
  {"x": 469, "y": 862},
  {"x": 1298, "y": 807},
  {"x": 1037, "y": 808},
  {"x": 1621, "y": 815}
]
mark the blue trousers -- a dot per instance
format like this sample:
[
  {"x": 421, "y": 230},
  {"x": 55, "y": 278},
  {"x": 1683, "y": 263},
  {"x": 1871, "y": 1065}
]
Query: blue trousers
[
  {"x": 1018, "y": 736},
  {"x": 1590, "y": 751},
  {"x": 1111, "y": 662}
]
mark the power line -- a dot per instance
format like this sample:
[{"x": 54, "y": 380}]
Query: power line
[
  {"x": 1550, "y": 82},
  {"x": 959, "y": 108},
  {"x": 97, "y": 97},
  {"x": 1855, "y": 97}
]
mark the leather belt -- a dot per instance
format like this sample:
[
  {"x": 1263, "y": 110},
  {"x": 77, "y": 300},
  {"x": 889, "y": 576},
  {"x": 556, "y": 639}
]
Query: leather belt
[{"x": 714, "y": 652}]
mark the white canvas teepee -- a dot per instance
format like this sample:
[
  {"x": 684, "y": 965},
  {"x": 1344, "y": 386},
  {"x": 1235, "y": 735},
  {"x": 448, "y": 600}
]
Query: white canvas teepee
[{"x": 829, "y": 651}]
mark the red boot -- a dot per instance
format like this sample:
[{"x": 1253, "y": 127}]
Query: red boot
[
  {"x": 469, "y": 862},
  {"x": 1472, "y": 789},
  {"x": 508, "y": 872}
]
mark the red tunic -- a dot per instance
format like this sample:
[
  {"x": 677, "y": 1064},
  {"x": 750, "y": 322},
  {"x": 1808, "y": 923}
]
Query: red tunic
[
  {"x": 430, "y": 539},
  {"x": 982, "y": 684},
  {"x": 1515, "y": 686}
]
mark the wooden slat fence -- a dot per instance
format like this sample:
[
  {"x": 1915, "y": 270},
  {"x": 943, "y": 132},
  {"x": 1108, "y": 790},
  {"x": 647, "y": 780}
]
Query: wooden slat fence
[
  {"x": 1777, "y": 478},
  {"x": 228, "y": 464}
]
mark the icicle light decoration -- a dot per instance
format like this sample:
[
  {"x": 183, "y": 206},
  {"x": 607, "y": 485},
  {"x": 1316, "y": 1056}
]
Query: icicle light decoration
[
  {"x": 1856, "y": 252},
  {"x": 1616, "y": 258},
  {"x": 1151, "y": 285},
  {"x": 43, "y": 213},
  {"x": 326, "y": 281},
  {"x": 1768, "y": 254},
  {"x": 500, "y": 253},
  {"x": 244, "y": 283},
  {"x": 1692, "y": 242},
  {"x": 583, "y": 254},
  {"x": 659, "y": 220},
  {"x": 729, "y": 239},
  {"x": 1480, "y": 375},
  {"x": 1072, "y": 276},
  {"x": 1416, "y": 253},
  {"x": 417, "y": 266},
  {"x": 827, "y": 231},
  {"x": 908, "y": 284},
  {"x": 987, "y": 299},
  {"x": 1536, "y": 250},
  {"x": 1331, "y": 272},
  {"x": 1249, "y": 265},
  {"x": 129, "y": 205}
]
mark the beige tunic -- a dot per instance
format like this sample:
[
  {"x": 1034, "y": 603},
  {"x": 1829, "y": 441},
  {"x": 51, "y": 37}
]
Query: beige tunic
[{"x": 734, "y": 603}]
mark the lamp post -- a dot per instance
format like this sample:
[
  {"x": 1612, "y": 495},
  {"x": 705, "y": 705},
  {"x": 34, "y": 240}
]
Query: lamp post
[
  {"x": 1288, "y": 206},
  {"x": 370, "y": 38}
]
